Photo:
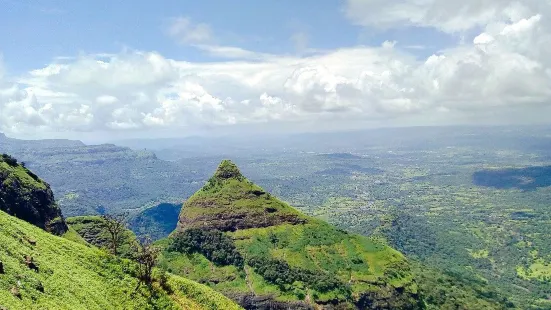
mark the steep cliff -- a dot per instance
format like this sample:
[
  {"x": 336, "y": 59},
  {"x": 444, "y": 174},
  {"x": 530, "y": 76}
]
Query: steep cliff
[{"x": 26, "y": 196}]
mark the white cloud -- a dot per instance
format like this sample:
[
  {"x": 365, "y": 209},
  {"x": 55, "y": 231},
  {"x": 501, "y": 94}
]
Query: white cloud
[
  {"x": 185, "y": 31},
  {"x": 445, "y": 15},
  {"x": 505, "y": 66},
  {"x": 230, "y": 52}
]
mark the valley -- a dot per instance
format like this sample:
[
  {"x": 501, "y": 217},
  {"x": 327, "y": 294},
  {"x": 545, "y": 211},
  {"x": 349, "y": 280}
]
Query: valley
[{"x": 473, "y": 204}]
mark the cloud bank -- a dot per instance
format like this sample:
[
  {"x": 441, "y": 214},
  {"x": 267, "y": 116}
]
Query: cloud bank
[{"x": 506, "y": 64}]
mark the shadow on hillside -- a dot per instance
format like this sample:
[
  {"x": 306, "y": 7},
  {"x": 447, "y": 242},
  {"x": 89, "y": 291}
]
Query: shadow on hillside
[{"x": 526, "y": 179}]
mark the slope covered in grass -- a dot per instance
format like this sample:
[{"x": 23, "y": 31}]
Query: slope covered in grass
[
  {"x": 258, "y": 250},
  {"x": 73, "y": 276}
]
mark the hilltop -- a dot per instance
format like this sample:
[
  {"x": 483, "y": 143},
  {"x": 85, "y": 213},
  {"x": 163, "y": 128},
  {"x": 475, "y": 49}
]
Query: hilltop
[
  {"x": 258, "y": 250},
  {"x": 230, "y": 202}
]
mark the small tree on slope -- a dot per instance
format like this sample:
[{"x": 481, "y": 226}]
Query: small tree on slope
[{"x": 115, "y": 226}]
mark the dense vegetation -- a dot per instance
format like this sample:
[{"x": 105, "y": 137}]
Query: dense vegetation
[
  {"x": 287, "y": 278},
  {"x": 213, "y": 244}
]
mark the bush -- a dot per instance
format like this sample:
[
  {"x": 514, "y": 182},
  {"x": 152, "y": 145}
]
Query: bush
[
  {"x": 213, "y": 244},
  {"x": 9, "y": 160},
  {"x": 282, "y": 274}
]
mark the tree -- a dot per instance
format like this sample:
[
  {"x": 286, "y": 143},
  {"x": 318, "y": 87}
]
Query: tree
[
  {"x": 115, "y": 226},
  {"x": 146, "y": 255}
]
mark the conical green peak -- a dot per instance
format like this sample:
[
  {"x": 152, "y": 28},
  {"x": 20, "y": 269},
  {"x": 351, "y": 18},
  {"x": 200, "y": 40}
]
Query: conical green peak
[{"x": 228, "y": 170}]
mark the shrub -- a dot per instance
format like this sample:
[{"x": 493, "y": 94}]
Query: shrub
[
  {"x": 213, "y": 244},
  {"x": 282, "y": 274}
]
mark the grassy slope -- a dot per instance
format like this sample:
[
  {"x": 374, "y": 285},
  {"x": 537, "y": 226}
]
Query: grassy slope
[
  {"x": 75, "y": 276},
  {"x": 368, "y": 265}
]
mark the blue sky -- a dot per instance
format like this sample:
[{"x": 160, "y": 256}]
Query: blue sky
[
  {"x": 35, "y": 32},
  {"x": 137, "y": 68}
]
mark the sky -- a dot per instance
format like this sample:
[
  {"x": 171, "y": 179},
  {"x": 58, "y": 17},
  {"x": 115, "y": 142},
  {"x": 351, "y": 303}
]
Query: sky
[{"x": 123, "y": 69}]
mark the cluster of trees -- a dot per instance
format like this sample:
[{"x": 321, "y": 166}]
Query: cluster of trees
[
  {"x": 282, "y": 274},
  {"x": 8, "y": 160},
  {"x": 213, "y": 244}
]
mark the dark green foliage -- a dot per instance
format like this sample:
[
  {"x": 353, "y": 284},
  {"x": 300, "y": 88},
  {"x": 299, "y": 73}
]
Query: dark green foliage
[
  {"x": 9, "y": 160},
  {"x": 213, "y": 244},
  {"x": 280, "y": 273}
]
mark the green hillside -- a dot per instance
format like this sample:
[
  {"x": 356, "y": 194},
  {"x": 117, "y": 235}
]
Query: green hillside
[
  {"x": 256, "y": 249},
  {"x": 74, "y": 276},
  {"x": 24, "y": 195}
]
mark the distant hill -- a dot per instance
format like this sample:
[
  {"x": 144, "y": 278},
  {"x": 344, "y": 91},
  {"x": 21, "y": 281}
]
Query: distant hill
[
  {"x": 10, "y": 144},
  {"x": 96, "y": 179},
  {"x": 256, "y": 249}
]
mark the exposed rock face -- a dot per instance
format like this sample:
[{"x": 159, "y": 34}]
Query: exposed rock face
[
  {"x": 24, "y": 195},
  {"x": 388, "y": 298},
  {"x": 229, "y": 202},
  {"x": 232, "y": 222},
  {"x": 252, "y": 302}
]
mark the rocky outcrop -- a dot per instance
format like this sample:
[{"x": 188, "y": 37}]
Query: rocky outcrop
[
  {"x": 253, "y": 302},
  {"x": 388, "y": 298},
  {"x": 24, "y": 195},
  {"x": 232, "y": 222}
]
